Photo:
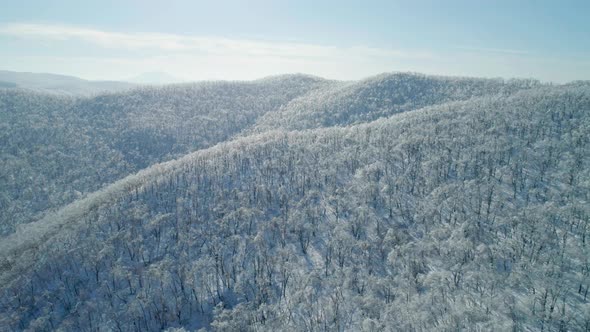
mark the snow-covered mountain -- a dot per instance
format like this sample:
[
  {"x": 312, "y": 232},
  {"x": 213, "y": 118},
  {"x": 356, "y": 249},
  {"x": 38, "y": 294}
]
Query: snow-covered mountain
[
  {"x": 56, "y": 148},
  {"x": 379, "y": 97},
  {"x": 409, "y": 203}
]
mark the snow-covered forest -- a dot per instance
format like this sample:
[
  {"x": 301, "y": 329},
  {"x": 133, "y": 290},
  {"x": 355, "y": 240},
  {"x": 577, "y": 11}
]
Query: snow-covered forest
[
  {"x": 402, "y": 202},
  {"x": 55, "y": 149}
]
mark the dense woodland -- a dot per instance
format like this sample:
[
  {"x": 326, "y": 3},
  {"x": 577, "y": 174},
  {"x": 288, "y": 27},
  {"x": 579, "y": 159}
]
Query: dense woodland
[
  {"x": 381, "y": 96},
  {"x": 469, "y": 214},
  {"x": 55, "y": 149}
]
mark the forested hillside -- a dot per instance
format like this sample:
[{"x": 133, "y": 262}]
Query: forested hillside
[
  {"x": 55, "y": 149},
  {"x": 381, "y": 96},
  {"x": 469, "y": 215}
]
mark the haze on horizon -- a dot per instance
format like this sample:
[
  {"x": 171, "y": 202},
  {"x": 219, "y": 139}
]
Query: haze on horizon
[{"x": 237, "y": 40}]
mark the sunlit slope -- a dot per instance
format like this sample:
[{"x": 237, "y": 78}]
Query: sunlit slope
[{"x": 381, "y": 96}]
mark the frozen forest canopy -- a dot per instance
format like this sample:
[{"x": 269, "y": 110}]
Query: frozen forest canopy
[{"x": 403, "y": 202}]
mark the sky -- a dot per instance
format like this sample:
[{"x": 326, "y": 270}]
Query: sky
[{"x": 347, "y": 40}]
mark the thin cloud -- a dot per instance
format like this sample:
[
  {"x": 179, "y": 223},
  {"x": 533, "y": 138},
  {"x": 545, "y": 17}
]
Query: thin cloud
[{"x": 191, "y": 44}]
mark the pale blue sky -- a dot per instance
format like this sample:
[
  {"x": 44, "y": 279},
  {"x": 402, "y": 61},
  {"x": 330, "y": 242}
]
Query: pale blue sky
[{"x": 199, "y": 40}]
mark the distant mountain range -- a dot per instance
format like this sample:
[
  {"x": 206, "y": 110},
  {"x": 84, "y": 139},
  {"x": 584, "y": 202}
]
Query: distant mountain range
[
  {"x": 59, "y": 84},
  {"x": 71, "y": 85}
]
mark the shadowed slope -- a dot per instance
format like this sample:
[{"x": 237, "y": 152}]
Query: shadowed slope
[{"x": 55, "y": 149}]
